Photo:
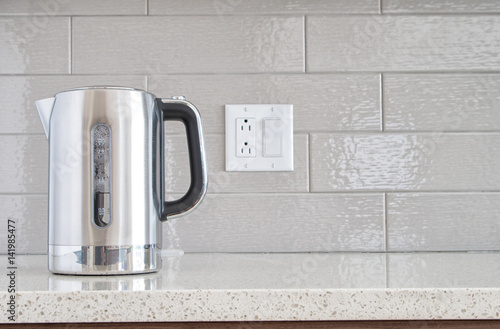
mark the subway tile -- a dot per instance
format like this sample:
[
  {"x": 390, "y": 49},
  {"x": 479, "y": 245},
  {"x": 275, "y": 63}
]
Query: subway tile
[
  {"x": 280, "y": 223},
  {"x": 272, "y": 271},
  {"x": 441, "y": 6},
  {"x": 30, "y": 215},
  {"x": 272, "y": 222},
  {"x": 220, "y": 181},
  {"x": 403, "y": 43},
  {"x": 73, "y": 7},
  {"x": 322, "y": 102},
  {"x": 443, "y": 102},
  {"x": 443, "y": 221},
  {"x": 19, "y": 94},
  {"x": 24, "y": 166},
  {"x": 26, "y": 170},
  {"x": 442, "y": 162},
  {"x": 156, "y": 45},
  {"x": 443, "y": 270},
  {"x": 34, "y": 44},
  {"x": 276, "y": 7}
]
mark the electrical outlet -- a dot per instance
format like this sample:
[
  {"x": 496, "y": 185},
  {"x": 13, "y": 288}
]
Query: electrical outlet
[
  {"x": 245, "y": 137},
  {"x": 259, "y": 137}
]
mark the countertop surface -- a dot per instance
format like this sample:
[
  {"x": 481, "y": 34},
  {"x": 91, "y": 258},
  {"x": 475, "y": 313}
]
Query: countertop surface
[{"x": 259, "y": 287}]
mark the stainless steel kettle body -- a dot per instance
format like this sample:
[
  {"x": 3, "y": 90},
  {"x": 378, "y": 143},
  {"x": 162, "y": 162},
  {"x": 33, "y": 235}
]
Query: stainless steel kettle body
[{"x": 106, "y": 177}]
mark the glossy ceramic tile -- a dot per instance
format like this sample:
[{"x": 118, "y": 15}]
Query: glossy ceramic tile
[
  {"x": 221, "y": 271},
  {"x": 443, "y": 270},
  {"x": 441, "y": 6},
  {"x": 196, "y": 271},
  {"x": 276, "y": 7},
  {"x": 19, "y": 94},
  {"x": 156, "y": 45},
  {"x": 221, "y": 181},
  {"x": 402, "y": 43},
  {"x": 34, "y": 44},
  {"x": 280, "y": 223},
  {"x": 321, "y": 102},
  {"x": 72, "y": 7},
  {"x": 24, "y": 164},
  {"x": 242, "y": 223},
  {"x": 404, "y": 162},
  {"x": 30, "y": 215},
  {"x": 443, "y": 102},
  {"x": 441, "y": 221}
]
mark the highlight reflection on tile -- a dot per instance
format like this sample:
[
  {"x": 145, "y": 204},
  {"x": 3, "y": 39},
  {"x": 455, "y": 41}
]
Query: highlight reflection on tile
[
  {"x": 442, "y": 102},
  {"x": 73, "y": 7},
  {"x": 443, "y": 221},
  {"x": 292, "y": 222},
  {"x": 24, "y": 167},
  {"x": 221, "y": 181},
  {"x": 405, "y": 162},
  {"x": 321, "y": 102},
  {"x": 441, "y": 6},
  {"x": 30, "y": 215},
  {"x": 231, "y": 44},
  {"x": 443, "y": 270},
  {"x": 220, "y": 271},
  {"x": 275, "y": 7},
  {"x": 34, "y": 44},
  {"x": 402, "y": 43}
]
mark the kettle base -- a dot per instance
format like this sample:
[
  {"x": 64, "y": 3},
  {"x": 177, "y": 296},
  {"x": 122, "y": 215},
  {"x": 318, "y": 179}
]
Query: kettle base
[{"x": 104, "y": 260}]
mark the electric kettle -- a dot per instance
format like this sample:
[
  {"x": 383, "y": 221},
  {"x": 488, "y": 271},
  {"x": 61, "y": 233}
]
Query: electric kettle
[{"x": 106, "y": 177}]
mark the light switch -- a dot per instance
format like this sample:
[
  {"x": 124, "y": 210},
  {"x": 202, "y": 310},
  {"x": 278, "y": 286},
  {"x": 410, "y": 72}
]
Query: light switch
[{"x": 273, "y": 137}]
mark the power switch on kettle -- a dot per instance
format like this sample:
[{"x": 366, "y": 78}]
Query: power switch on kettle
[{"x": 101, "y": 209}]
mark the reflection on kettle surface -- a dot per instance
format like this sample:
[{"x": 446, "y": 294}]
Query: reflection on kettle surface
[{"x": 138, "y": 282}]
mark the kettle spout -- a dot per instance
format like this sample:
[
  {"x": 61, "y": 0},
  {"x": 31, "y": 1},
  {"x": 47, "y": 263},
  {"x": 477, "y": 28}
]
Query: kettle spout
[{"x": 44, "y": 107}]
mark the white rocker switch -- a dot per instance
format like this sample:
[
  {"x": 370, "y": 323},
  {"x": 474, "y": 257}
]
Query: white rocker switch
[{"x": 273, "y": 137}]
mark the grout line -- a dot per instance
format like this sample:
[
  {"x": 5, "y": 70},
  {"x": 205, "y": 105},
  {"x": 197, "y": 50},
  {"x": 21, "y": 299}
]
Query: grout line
[
  {"x": 381, "y": 87},
  {"x": 380, "y": 6},
  {"x": 346, "y": 133},
  {"x": 338, "y": 73},
  {"x": 23, "y": 194},
  {"x": 309, "y": 163},
  {"x": 385, "y": 221},
  {"x": 276, "y": 14},
  {"x": 399, "y": 132},
  {"x": 147, "y": 7},
  {"x": 348, "y": 192},
  {"x": 70, "y": 45},
  {"x": 291, "y": 193},
  {"x": 305, "y": 45},
  {"x": 147, "y": 83},
  {"x": 338, "y": 252},
  {"x": 387, "y": 270}
]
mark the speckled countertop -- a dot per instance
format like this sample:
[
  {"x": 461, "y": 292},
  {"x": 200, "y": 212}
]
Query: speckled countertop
[{"x": 242, "y": 287}]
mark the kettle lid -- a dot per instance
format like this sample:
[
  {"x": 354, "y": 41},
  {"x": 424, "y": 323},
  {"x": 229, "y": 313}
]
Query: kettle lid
[{"x": 102, "y": 87}]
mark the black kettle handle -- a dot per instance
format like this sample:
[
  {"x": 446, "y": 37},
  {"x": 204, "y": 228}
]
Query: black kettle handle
[{"x": 181, "y": 110}]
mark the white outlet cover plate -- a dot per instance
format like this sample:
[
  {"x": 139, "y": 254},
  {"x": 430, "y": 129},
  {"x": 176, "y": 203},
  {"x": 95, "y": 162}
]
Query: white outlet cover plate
[{"x": 259, "y": 112}]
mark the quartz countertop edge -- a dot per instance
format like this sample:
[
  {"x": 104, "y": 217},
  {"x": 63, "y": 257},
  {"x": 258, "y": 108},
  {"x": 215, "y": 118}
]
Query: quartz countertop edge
[
  {"x": 266, "y": 287},
  {"x": 258, "y": 305}
]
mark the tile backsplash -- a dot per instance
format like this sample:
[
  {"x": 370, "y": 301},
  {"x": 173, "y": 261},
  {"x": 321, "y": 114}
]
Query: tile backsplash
[{"x": 396, "y": 106}]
